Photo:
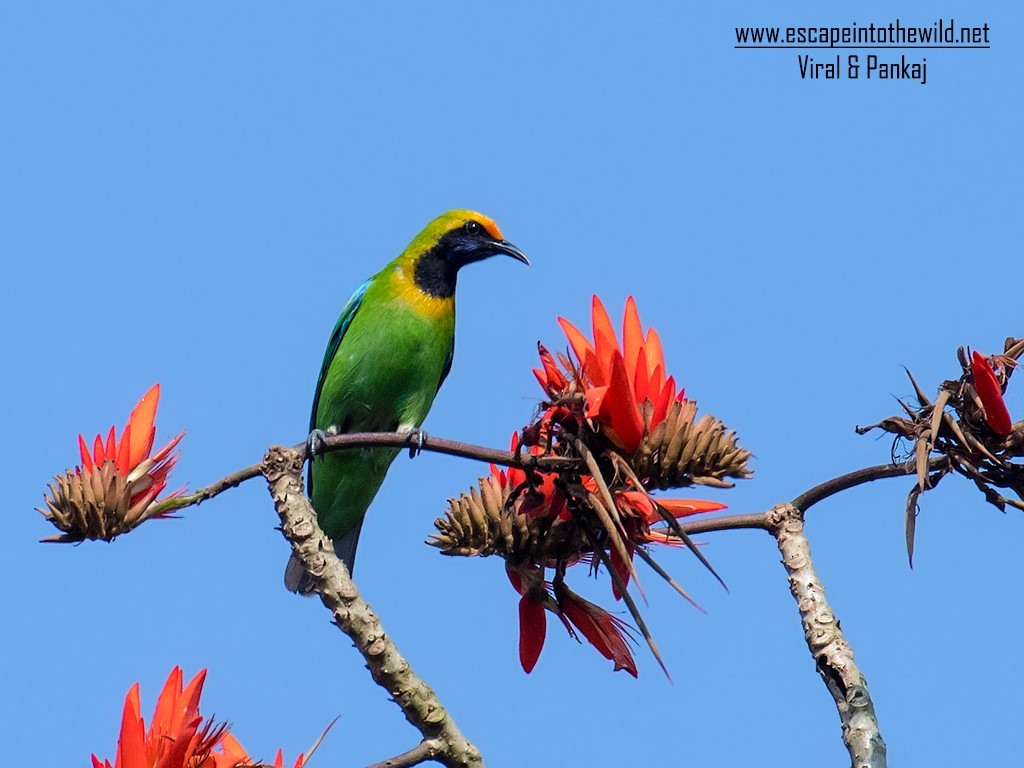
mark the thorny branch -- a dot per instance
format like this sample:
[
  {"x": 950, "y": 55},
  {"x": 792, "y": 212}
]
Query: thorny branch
[{"x": 442, "y": 739}]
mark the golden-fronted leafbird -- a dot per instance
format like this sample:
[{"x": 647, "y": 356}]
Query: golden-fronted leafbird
[{"x": 387, "y": 357}]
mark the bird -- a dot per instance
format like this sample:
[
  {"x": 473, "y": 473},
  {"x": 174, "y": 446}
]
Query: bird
[{"x": 387, "y": 357}]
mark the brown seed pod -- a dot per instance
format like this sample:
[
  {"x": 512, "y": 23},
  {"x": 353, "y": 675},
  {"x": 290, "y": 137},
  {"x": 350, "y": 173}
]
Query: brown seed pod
[
  {"x": 487, "y": 522},
  {"x": 680, "y": 452},
  {"x": 96, "y": 505}
]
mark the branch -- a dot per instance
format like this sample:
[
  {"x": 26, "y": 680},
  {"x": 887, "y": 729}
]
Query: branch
[
  {"x": 428, "y": 749},
  {"x": 753, "y": 520},
  {"x": 832, "y": 654},
  {"x": 410, "y": 440},
  {"x": 844, "y": 482},
  {"x": 282, "y": 468}
]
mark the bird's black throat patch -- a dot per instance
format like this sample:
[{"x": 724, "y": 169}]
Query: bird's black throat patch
[{"x": 435, "y": 271}]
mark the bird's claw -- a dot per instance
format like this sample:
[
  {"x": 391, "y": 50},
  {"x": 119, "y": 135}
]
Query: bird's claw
[
  {"x": 417, "y": 439},
  {"x": 316, "y": 444}
]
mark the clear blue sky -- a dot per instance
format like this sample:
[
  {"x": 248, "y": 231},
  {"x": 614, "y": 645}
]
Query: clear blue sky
[{"x": 190, "y": 192}]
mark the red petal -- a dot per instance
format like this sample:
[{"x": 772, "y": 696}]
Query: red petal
[
  {"x": 110, "y": 451},
  {"x": 162, "y": 453},
  {"x": 166, "y": 705},
  {"x": 663, "y": 398},
  {"x": 595, "y": 396},
  {"x": 83, "y": 449},
  {"x": 632, "y": 340},
  {"x": 184, "y": 721},
  {"x": 604, "y": 347},
  {"x": 98, "y": 453},
  {"x": 641, "y": 378},
  {"x": 684, "y": 508},
  {"x": 516, "y": 578},
  {"x": 131, "y": 744},
  {"x": 532, "y": 629},
  {"x": 594, "y": 372},
  {"x": 602, "y": 328},
  {"x": 599, "y": 627},
  {"x": 141, "y": 421},
  {"x": 619, "y": 410},
  {"x": 655, "y": 356},
  {"x": 122, "y": 460},
  {"x": 987, "y": 385},
  {"x": 577, "y": 340},
  {"x": 190, "y": 696}
]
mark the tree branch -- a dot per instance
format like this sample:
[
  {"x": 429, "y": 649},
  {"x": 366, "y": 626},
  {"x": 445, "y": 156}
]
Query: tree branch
[
  {"x": 282, "y": 467},
  {"x": 408, "y": 440},
  {"x": 832, "y": 654},
  {"x": 428, "y": 749},
  {"x": 844, "y": 482}
]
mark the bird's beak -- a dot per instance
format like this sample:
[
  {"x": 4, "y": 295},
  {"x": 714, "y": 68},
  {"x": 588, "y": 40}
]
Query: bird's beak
[{"x": 504, "y": 246}]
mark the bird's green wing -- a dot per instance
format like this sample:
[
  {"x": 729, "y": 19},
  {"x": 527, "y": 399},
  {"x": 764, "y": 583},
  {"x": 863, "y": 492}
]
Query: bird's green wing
[
  {"x": 340, "y": 328},
  {"x": 447, "y": 365}
]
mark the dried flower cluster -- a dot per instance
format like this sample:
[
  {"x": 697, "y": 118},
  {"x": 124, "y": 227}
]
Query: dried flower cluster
[
  {"x": 614, "y": 409},
  {"x": 116, "y": 487},
  {"x": 967, "y": 429}
]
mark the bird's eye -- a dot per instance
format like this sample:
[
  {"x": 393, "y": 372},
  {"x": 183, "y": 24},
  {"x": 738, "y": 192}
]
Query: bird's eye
[{"x": 473, "y": 227}]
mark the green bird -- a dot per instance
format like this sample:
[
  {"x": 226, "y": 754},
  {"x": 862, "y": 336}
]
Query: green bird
[{"x": 390, "y": 351}]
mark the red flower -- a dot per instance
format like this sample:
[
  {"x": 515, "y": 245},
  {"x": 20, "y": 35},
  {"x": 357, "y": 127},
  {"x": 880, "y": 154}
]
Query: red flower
[
  {"x": 528, "y": 581},
  {"x": 177, "y": 736},
  {"x": 626, "y": 387},
  {"x": 175, "y": 739},
  {"x": 116, "y": 487},
  {"x": 603, "y": 630},
  {"x": 147, "y": 475},
  {"x": 987, "y": 386}
]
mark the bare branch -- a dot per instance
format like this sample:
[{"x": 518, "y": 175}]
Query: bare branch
[
  {"x": 844, "y": 482},
  {"x": 428, "y": 749},
  {"x": 832, "y": 654},
  {"x": 282, "y": 468},
  {"x": 381, "y": 440},
  {"x": 753, "y": 520}
]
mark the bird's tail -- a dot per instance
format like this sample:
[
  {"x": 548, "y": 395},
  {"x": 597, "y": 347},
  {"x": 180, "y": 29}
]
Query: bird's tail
[{"x": 298, "y": 580}]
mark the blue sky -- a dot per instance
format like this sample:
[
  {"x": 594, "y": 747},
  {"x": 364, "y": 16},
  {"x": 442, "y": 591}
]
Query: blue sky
[{"x": 190, "y": 193}]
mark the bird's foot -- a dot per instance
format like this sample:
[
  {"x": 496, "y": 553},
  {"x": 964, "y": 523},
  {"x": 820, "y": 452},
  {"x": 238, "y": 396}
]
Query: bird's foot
[
  {"x": 417, "y": 439},
  {"x": 315, "y": 444}
]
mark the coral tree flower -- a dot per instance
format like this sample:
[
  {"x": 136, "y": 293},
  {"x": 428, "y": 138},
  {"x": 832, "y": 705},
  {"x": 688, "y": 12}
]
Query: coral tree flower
[
  {"x": 117, "y": 485},
  {"x": 626, "y": 387},
  {"x": 539, "y": 496},
  {"x": 177, "y": 735},
  {"x": 627, "y": 429},
  {"x": 991, "y": 394}
]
